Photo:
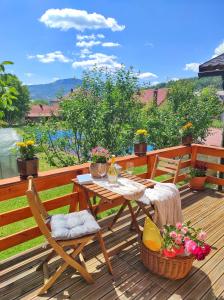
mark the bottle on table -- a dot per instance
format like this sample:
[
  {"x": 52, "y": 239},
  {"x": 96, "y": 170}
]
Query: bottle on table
[{"x": 112, "y": 173}]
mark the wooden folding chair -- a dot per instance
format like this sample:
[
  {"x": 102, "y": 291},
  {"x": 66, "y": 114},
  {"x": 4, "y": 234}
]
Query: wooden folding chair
[
  {"x": 76, "y": 244},
  {"x": 168, "y": 165}
]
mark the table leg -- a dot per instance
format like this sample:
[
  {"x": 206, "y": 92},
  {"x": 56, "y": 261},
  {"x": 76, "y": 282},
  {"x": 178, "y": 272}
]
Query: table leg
[{"x": 134, "y": 221}]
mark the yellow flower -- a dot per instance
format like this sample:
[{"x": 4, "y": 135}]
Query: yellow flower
[
  {"x": 21, "y": 144},
  {"x": 188, "y": 125},
  {"x": 30, "y": 143},
  {"x": 141, "y": 131}
]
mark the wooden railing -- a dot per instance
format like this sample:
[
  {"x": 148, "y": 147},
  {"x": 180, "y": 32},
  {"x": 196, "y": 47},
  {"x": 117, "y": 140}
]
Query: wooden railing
[{"x": 14, "y": 187}]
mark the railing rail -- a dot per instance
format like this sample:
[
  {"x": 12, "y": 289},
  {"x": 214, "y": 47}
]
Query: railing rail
[{"x": 14, "y": 187}]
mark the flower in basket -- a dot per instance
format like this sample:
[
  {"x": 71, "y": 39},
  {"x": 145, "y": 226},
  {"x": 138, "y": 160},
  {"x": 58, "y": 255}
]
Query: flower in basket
[
  {"x": 26, "y": 149},
  {"x": 140, "y": 136},
  {"x": 99, "y": 155},
  {"x": 183, "y": 239},
  {"x": 187, "y": 129},
  {"x": 199, "y": 170}
]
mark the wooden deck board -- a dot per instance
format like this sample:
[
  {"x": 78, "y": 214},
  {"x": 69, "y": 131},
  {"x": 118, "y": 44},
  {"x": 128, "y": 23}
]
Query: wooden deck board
[{"x": 131, "y": 279}]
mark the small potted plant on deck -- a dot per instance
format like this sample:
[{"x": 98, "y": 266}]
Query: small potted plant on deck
[
  {"x": 99, "y": 162},
  {"x": 27, "y": 163},
  {"x": 140, "y": 142},
  {"x": 186, "y": 132},
  {"x": 198, "y": 176}
]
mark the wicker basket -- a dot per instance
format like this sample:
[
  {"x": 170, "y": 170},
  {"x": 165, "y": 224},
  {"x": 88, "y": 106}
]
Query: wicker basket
[{"x": 172, "y": 268}]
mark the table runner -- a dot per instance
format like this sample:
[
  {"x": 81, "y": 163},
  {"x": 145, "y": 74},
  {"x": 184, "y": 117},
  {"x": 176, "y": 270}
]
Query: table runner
[{"x": 129, "y": 189}]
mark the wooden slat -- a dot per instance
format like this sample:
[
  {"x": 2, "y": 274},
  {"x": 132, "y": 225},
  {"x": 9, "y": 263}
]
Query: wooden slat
[
  {"x": 215, "y": 180},
  {"x": 212, "y": 166},
  {"x": 25, "y": 212},
  {"x": 19, "y": 237},
  {"x": 211, "y": 151},
  {"x": 166, "y": 170},
  {"x": 165, "y": 160}
]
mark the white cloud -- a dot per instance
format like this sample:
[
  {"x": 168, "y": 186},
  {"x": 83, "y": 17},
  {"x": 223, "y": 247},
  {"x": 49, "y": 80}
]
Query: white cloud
[
  {"x": 192, "y": 67},
  {"x": 100, "y": 60},
  {"x": 81, "y": 20},
  {"x": 87, "y": 44},
  {"x": 50, "y": 57},
  {"x": 147, "y": 75},
  {"x": 219, "y": 50},
  {"x": 174, "y": 79},
  {"x": 110, "y": 44},
  {"x": 55, "y": 79},
  {"x": 28, "y": 74},
  {"x": 81, "y": 37},
  {"x": 84, "y": 52}
]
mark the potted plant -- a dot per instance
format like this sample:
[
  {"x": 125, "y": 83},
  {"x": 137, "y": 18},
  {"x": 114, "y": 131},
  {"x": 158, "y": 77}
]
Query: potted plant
[
  {"x": 198, "y": 176},
  {"x": 181, "y": 244},
  {"x": 27, "y": 163},
  {"x": 140, "y": 142},
  {"x": 186, "y": 132},
  {"x": 99, "y": 162}
]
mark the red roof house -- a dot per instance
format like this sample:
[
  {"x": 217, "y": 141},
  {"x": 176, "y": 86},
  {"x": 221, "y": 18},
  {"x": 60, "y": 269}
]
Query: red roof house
[
  {"x": 39, "y": 111},
  {"x": 147, "y": 95}
]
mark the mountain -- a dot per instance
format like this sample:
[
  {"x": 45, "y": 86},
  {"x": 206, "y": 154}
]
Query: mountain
[
  {"x": 51, "y": 91},
  {"x": 215, "y": 82}
]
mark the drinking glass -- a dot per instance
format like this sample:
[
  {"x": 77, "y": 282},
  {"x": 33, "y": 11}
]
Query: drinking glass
[
  {"x": 130, "y": 167},
  {"x": 102, "y": 170}
]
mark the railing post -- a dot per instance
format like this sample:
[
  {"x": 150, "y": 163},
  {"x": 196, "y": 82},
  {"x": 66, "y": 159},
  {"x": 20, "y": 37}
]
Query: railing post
[
  {"x": 150, "y": 164},
  {"x": 194, "y": 150}
]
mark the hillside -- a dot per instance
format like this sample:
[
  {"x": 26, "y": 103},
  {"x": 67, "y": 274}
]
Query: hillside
[
  {"x": 50, "y": 91},
  {"x": 215, "y": 82}
]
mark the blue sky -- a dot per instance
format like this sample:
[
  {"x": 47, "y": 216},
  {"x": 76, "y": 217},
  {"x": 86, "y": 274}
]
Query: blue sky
[{"x": 163, "y": 39}]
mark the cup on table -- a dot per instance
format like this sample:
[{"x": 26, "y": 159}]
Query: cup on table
[{"x": 130, "y": 167}]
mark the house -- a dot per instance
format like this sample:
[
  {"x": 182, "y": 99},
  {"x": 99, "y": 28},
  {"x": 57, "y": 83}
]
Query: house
[
  {"x": 147, "y": 96},
  {"x": 214, "y": 138},
  {"x": 42, "y": 111}
]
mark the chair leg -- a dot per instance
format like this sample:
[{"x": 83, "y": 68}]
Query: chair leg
[
  {"x": 52, "y": 279},
  {"x": 124, "y": 205},
  {"x": 46, "y": 260},
  {"x": 105, "y": 254}
]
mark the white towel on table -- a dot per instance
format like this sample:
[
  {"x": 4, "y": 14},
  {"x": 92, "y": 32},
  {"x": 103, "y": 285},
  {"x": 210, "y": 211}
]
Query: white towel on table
[{"x": 166, "y": 200}]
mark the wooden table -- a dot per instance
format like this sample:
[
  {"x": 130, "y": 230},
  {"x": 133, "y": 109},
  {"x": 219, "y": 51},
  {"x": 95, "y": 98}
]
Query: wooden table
[{"x": 108, "y": 199}]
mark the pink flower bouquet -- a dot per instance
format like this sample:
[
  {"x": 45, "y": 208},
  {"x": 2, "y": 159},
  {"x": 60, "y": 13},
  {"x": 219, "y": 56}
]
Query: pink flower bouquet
[
  {"x": 99, "y": 155},
  {"x": 183, "y": 239}
]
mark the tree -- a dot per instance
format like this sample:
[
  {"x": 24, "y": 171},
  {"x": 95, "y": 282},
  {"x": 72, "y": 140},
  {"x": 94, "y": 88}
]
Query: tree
[
  {"x": 185, "y": 104},
  {"x": 7, "y": 93},
  {"x": 103, "y": 111},
  {"x": 21, "y": 104}
]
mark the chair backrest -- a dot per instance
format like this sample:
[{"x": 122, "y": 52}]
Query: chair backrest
[
  {"x": 39, "y": 212},
  {"x": 168, "y": 165}
]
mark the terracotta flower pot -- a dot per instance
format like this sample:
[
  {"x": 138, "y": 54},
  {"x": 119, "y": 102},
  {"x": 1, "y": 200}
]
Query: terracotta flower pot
[
  {"x": 140, "y": 149},
  {"x": 27, "y": 167},
  {"x": 95, "y": 169},
  {"x": 187, "y": 140},
  {"x": 197, "y": 183}
]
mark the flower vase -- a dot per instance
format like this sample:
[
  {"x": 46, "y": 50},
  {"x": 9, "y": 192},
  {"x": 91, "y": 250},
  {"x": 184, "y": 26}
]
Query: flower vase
[
  {"x": 140, "y": 149},
  {"x": 27, "y": 167},
  {"x": 187, "y": 140},
  {"x": 95, "y": 167},
  {"x": 197, "y": 183}
]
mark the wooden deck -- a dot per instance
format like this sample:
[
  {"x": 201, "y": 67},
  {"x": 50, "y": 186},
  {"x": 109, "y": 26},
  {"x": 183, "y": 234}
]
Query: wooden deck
[{"x": 131, "y": 280}]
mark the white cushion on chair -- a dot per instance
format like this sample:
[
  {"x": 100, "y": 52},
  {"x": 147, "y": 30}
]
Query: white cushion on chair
[{"x": 73, "y": 225}]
